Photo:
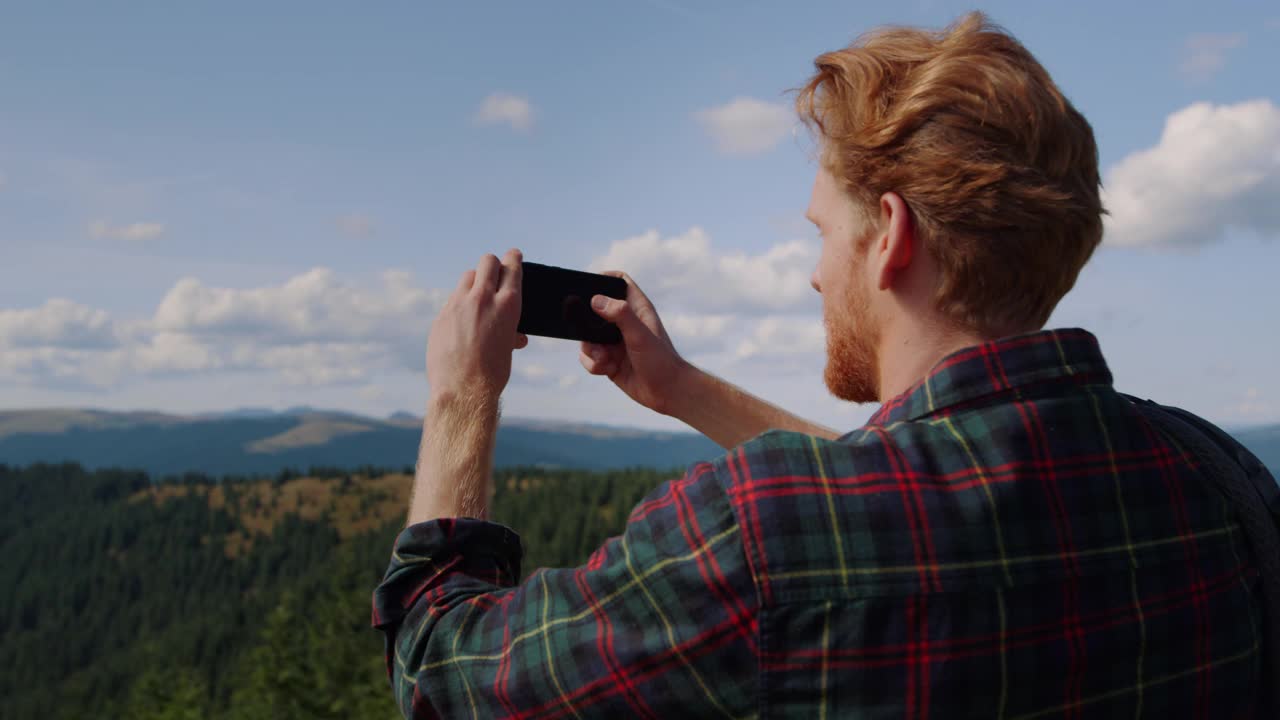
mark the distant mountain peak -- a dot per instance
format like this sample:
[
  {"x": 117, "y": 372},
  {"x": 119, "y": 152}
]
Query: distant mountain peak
[
  {"x": 305, "y": 434},
  {"x": 239, "y": 413},
  {"x": 253, "y": 413}
]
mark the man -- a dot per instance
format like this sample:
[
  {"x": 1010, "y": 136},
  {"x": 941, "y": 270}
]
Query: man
[{"x": 1005, "y": 537}]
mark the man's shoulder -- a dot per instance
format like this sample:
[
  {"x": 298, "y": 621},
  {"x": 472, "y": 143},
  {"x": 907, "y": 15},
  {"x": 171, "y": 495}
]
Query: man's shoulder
[
  {"x": 836, "y": 515},
  {"x": 1159, "y": 414},
  {"x": 1218, "y": 455},
  {"x": 865, "y": 439},
  {"x": 785, "y": 452},
  {"x": 808, "y": 463}
]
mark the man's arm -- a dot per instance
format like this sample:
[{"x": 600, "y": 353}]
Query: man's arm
[
  {"x": 468, "y": 365},
  {"x": 455, "y": 458},
  {"x": 730, "y": 415},
  {"x": 647, "y": 367},
  {"x": 660, "y": 621}
]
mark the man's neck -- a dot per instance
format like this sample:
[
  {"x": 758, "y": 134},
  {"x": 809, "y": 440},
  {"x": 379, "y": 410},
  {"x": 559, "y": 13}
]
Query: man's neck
[{"x": 909, "y": 352}]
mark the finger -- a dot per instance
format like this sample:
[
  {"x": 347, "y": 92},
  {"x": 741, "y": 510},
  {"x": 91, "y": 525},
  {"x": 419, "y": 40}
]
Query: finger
[
  {"x": 522, "y": 341},
  {"x": 607, "y": 354},
  {"x": 487, "y": 273},
  {"x": 468, "y": 279},
  {"x": 621, "y": 313},
  {"x": 594, "y": 351},
  {"x": 512, "y": 272},
  {"x": 589, "y": 364},
  {"x": 635, "y": 295},
  {"x": 601, "y": 365}
]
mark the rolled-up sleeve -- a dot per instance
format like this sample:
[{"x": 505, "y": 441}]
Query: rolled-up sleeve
[{"x": 660, "y": 621}]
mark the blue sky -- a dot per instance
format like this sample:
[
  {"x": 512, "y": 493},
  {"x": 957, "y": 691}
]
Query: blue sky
[{"x": 257, "y": 204}]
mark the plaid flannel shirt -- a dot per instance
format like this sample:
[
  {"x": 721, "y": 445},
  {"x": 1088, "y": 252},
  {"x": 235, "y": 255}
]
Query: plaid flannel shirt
[{"x": 1006, "y": 539}]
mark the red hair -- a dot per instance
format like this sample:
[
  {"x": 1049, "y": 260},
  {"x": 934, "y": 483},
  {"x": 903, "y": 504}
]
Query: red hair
[{"x": 999, "y": 170}]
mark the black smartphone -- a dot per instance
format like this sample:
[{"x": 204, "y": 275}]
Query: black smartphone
[{"x": 556, "y": 302}]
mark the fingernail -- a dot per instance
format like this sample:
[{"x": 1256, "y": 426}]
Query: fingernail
[{"x": 599, "y": 302}]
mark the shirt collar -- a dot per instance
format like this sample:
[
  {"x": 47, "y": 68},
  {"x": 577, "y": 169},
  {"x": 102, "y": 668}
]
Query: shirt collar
[{"x": 1010, "y": 365}]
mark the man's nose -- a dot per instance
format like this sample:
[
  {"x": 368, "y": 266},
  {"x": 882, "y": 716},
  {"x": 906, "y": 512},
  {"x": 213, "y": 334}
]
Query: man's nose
[{"x": 813, "y": 282}]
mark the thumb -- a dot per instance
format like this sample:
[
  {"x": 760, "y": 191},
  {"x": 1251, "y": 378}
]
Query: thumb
[{"x": 620, "y": 313}]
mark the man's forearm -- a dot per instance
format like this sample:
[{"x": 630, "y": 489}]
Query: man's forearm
[
  {"x": 455, "y": 459},
  {"x": 730, "y": 415}
]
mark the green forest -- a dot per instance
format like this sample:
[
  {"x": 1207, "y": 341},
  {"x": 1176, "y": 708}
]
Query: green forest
[{"x": 129, "y": 596}]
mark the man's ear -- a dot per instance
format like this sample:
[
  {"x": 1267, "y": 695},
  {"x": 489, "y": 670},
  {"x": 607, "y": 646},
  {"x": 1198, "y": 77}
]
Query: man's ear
[{"x": 896, "y": 243}]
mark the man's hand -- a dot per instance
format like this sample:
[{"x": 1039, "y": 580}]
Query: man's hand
[
  {"x": 468, "y": 366},
  {"x": 645, "y": 365},
  {"x": 469, "y": 351}
]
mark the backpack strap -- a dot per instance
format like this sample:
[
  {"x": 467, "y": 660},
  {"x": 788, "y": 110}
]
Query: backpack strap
[{"x": 1238, "y": 474}]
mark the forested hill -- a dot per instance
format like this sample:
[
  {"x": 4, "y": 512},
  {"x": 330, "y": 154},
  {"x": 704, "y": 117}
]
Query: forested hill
[
  {"x": 233, "y": 600},
  {"x": 266, "y": 443}
]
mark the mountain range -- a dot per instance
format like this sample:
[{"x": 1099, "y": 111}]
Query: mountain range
[
  {"x": 253, "y": 441},
  {"x": 258, "y": 441}
]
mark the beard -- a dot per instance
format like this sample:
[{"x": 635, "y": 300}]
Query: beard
[{"x": 853, "y": 367}]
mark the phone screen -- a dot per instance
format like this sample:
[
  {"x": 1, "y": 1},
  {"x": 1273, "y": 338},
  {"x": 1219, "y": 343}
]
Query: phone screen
[{"x": 557, "y": 303}]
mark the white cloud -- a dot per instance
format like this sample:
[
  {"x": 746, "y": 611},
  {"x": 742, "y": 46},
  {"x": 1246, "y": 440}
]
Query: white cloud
[
  {"x": 753, "y": 313},
  {"x": 686, "y": 271},
  {"x": 505, "y": 109},
  {"x": 1205, "y": 54},
  {"x": 1215, "y": 167},
  {"x": 57, "y": 323},
  {"x": 308, "y": 363},
  {"x": 551, "y": 370},
  {"x": 1249, "y": 408},
  {"x": 133, "y": 231},
  {"x": 684, "y": 325},
  {"x": 161, "y": 352},
  {"x": 746, "y": 126},
  {"x": 356, "y": 225},
  {"x": 782, "y": 336},
  {"x": 47, "y": 365},
  {"x": 532, "y": 372},
  {"x": 313, "y": 363},
  {"x": 696, "y": 333},
  {"x": 318, "y": 330},
  {"x": 311, "y": 330},
  {"x": 314, "y": 306}
]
